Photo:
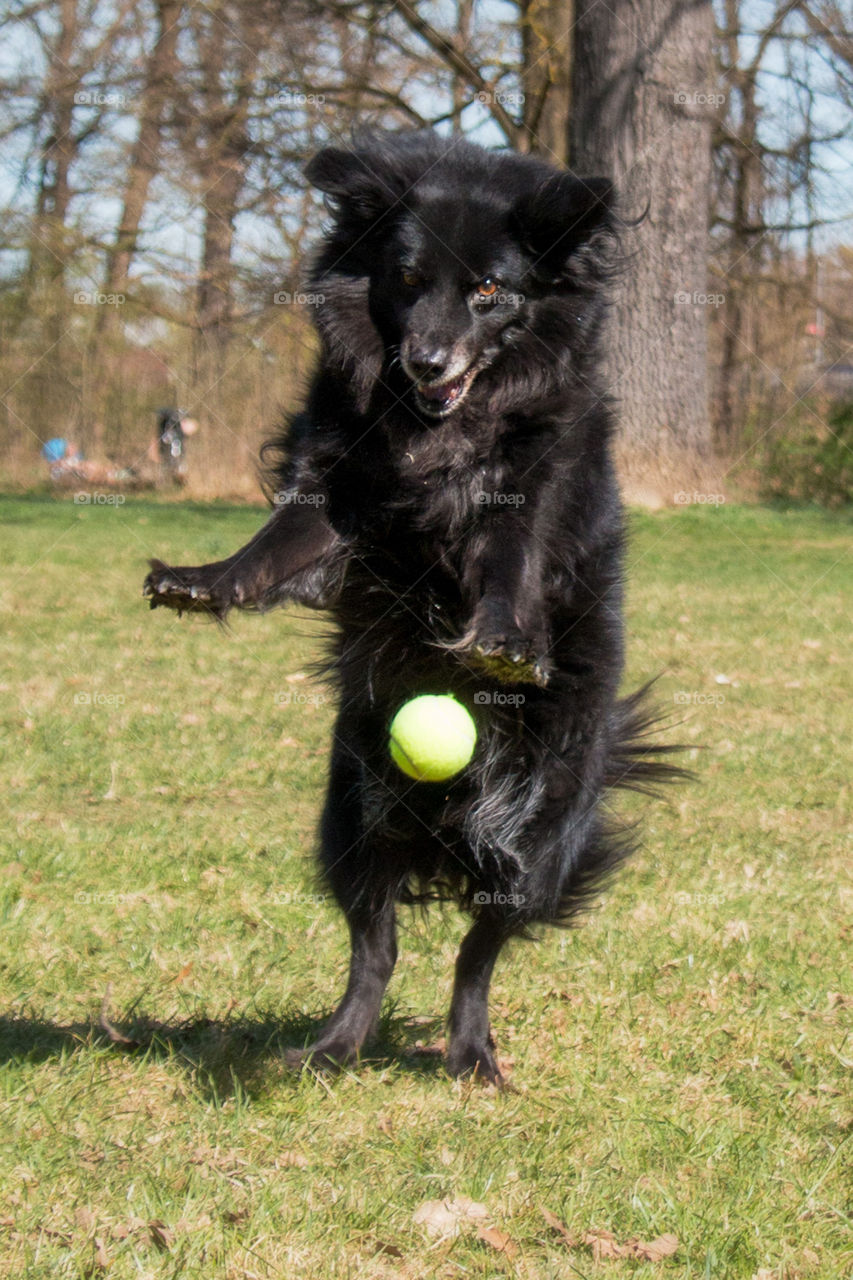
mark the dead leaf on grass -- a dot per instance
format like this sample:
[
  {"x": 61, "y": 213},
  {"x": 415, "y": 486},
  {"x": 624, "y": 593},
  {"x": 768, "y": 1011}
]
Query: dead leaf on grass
[
  {"x": 161, "y": 1235},
  {"x": 605, "y": 1245},
  {"x": 444, "y": 1217},
  {"x": 663, "y": 1247},
  {"x": 122, "y": 1230},
  {"x": 498, "y": 1240},
  {"x": 290, "y": 1160},
  {"x": 116, "y": 1036},
  {"x": 102, "y": 1258},
  {"x": 555, "y": 1224},
  {"x": 85, "y": 1219},
  {"x": 233, "y": 1216},
  {"x": 390, "y": 1250}
]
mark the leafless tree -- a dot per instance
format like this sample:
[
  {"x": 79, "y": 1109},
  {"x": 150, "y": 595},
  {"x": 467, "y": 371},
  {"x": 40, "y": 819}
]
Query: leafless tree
[
  {"x": 161, "y": 72},
  {"x": 643, "y": 84},
  {"x": 156, "y": 152}
]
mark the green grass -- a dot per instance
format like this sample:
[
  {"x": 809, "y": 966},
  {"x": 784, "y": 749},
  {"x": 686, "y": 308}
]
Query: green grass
[{"x": 680, "y": 1063}]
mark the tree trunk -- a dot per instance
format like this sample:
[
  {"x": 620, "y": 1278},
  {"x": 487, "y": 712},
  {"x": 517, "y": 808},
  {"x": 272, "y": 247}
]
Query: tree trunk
[
  {"x": 144, "y": 161},
  {"x": 47, "y": 252},
  {"x": 227, "y": 93},
  {"x": 546, "y": 76},
  {"x": 225, "y": 173},
  {"x": 143, "y": 165},
  {"x": 642, "y": 116},
  {"x": 52, "y": 394}
]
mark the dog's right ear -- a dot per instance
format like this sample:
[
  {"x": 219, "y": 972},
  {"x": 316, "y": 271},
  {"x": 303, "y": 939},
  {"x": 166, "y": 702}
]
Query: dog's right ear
[{"x": 352, "y": 184}]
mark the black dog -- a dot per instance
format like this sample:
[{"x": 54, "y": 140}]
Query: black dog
[{"x": 448, "y": 495}]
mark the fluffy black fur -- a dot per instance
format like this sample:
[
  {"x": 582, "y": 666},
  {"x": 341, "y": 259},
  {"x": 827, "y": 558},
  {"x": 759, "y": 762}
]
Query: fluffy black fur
[{"x": 448, "y": 495}]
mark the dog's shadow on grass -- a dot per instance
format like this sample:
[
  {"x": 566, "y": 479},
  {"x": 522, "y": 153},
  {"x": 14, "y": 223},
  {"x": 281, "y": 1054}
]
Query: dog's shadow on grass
[{"x": 223, "y": 1056}]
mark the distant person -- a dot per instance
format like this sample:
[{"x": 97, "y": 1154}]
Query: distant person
[
  {"x": 66, "y": 462},
  {"x": 173, "y": 428},
  {"x": 63, "y": 458}
]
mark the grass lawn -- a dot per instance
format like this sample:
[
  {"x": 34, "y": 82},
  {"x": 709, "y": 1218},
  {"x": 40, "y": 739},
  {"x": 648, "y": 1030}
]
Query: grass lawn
[{"x": 680, "y": 1063}]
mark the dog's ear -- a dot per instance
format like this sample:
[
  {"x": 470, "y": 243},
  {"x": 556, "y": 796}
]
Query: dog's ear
[
  {"x": 562, "y": 215},
  {"x": 353, "y": 183}
]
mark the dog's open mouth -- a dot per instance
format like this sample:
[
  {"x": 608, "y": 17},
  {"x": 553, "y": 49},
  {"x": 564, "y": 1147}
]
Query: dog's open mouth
[{"x": 437, "y": 399}]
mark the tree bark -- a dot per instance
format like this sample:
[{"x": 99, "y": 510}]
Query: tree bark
[
  {"x": 52, "y": 395},
  {"x": 145, "y": 158},
  {"x": 227, "y": 67},
  {"x": 642, "y": 116},
  {"x": 546, "y": 76},
  {"x": 47, "y": 253}
]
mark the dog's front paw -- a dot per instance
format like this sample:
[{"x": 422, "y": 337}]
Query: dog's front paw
[
  {"x": 202, "y": 589},
  {"x": 509, "y": 660},
  {"x": 502, "y": 647}
]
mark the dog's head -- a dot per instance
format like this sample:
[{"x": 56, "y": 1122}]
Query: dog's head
[{"x": 443, "y": 255}]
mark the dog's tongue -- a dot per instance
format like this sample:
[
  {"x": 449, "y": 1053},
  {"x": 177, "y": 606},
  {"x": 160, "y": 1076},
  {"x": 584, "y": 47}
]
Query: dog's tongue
[{"x": 444, "y": 390}]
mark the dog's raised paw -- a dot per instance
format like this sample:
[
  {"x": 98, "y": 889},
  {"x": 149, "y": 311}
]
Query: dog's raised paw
[
  {"x": 509, "y": 665},
  {"x": 183, "y": 590}
]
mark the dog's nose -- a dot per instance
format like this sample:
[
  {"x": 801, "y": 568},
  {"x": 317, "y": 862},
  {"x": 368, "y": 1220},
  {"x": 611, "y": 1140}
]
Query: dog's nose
[{"x": 428, "y": 363}]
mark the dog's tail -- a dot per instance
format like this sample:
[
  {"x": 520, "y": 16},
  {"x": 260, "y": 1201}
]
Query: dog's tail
[{"x": 637, "y": 761}]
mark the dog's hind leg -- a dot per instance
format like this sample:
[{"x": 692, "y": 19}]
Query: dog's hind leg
[
  {"x": 372, "y": 923},
  {"x": 374, "y": 951},
  {"x": 471, "y": 1048}
]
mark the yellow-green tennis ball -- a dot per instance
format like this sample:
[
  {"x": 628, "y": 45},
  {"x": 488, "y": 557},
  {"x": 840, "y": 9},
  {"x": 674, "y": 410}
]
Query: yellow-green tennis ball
[{"x": 432, "y": 737}]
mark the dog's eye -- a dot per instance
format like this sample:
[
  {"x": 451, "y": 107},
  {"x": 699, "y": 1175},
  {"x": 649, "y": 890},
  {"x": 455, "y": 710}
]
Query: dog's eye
[
  {"x": 410, "y": 279},
  {"x": 487, "y": 288}
]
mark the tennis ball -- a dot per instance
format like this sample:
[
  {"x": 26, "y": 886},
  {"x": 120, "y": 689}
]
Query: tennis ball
[{"x": 432, "y": 737}]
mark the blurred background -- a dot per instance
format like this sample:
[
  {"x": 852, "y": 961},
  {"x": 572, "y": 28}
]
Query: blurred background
[{"x": 155, "y": 225}]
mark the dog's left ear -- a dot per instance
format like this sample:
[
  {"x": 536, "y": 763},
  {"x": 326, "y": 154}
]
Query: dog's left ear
[{"x": 562, "y": 215}]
